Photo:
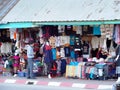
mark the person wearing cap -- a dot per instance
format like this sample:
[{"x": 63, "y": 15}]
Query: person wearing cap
[{"x": 30, "y": 56}]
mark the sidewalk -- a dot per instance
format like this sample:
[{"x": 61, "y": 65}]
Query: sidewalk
[{"x": 61, "y": 81}]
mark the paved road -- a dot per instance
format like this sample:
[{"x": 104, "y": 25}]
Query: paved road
[
  {"x": 60, "y": 82},
  {"x": 35, "y": 87}
]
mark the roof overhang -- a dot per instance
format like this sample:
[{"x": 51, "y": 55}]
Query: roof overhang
[{"x": 58, "y": 11}]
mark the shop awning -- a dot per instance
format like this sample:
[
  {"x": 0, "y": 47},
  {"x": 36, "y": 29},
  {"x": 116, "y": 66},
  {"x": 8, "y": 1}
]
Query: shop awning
[
  {"x": 16, "y": 25},
  {"x": 37, "y": 24},
  {"x": 78, "y": 23}
]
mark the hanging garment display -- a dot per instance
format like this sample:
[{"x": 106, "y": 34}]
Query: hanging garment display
[
  {"x": 62, "y": 52},
  {"x": 67, "y": 51},
  {"x": 54, "y": 53},
  {"x": 116, "y": 34},
  {"x": 77, "y": 42},
  {"x": 72, "y": 40},
  {"x": 85, "y": 30},
  {"x": 46, "y": 31},
  {"x": 12, "y": 30},
  {"x": 96, "y": 30},
  {"x": 85, "y": 47},
  {"x": 79, "y": 30},
  {"x": 53, "y": 30},
  {"x": 69, "y": 30},
  {"x": 95, "y": 42},
  {"x": 52, "y": 41}
]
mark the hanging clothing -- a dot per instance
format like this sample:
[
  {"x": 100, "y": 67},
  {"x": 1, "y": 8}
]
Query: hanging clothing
[
  {"x": 54, "y": 53},
  {"x": 67, "y": 51},
  {"x": 77, "y": 44},
  {"x": 46, "y": 31},
  {"x": 58, "y": 53},
  {"x": 108, "y": 43},
  {"x": 62, "y": 52},
  {"x": 57, "y": 41},
  {"x": 85, "y": 48},
  {"x": 79, "y": 30},
  {"x": 40, "y": 32},
  {"x": 72, "y": 54},
  {"x": 54, "y": 30},
  {"x": 72, "y": 40},
  {"x": 118, "y": 53},
  {"x": 90, "y": 30},
  {"x": 96, "y": 30},
  {"x": 58, "y": 66},
  {"x": 64, "y": 40},
  {"x": 69, "y": 30},
  {"x": 52, "y": 41},
  {"x": 61, "y": 29},
  {"x": 94, "y": 52},
  {"x": 48, "y": 56},
  {"x": 109, "y": 31},
  {"x": 12, "y": 33},
  {"x": 85, "y": 30},
  {"x": 63, "y": 66},
  {"x": 116, "y": 34},
  {"x": 103, "y": 30},
  {"x": 95, "y": 42}
]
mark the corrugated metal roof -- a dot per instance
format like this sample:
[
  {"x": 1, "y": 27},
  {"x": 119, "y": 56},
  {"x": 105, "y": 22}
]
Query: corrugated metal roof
[
  {"x": 64, "y": 10},
  {"x": 5, "y": 6}
]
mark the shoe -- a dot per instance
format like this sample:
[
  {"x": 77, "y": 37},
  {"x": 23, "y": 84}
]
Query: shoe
[
  {"x": 28, "y": 77},
  {"x": 33, "y": 78},
  {"x": 15, "y": 75},
  {"x": 118, "y": 80},
  {"x": 49, "y": 76}
]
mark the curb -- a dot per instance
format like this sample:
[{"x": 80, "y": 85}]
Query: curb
[{"x": 57, "y": 84}]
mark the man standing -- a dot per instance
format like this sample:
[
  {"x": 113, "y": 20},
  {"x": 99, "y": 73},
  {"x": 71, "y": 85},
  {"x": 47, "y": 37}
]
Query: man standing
[{"x": 30, "y": 56}]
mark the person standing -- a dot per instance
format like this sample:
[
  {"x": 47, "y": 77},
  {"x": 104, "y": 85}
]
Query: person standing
[
  {"x": 118, "y": 64},
  {"x": 30, "y": 56}
]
